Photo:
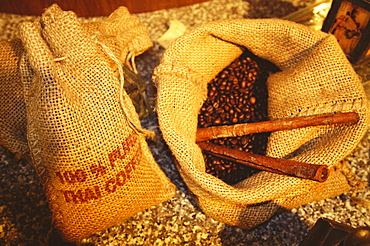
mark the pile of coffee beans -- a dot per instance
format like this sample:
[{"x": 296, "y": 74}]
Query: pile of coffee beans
[{"x": 238, "y": 94}]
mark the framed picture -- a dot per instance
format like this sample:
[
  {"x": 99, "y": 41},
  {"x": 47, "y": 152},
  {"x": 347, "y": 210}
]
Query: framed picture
[{"x": 349, "y": 22}]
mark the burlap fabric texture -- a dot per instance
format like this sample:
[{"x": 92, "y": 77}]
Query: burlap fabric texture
[
  {"x": 120, "y": 32},
  {"x": 12, "y": 108},
  {"x": 315, "y": 78},
  {"x": 83, "y": 132}
]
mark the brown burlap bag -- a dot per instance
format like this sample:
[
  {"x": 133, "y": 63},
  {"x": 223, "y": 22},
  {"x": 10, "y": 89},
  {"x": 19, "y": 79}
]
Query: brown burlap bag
[
  {"x": 83, "y": 132},
  {"x": 12, "y": 108},
  {"x": 315, "y": 78},
  {"x": 121, "y": 32}
]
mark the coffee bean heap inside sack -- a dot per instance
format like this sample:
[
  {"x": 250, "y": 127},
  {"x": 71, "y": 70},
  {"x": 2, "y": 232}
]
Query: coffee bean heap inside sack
[{"x": 238, "y": 94}]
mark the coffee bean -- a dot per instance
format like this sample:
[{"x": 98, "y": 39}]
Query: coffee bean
[
  {"x": 220, "y": 111},
  {"x": 243, "y": 84},
  {"x": 252, "y": 100},
  {"x": 217, "y": 121}
]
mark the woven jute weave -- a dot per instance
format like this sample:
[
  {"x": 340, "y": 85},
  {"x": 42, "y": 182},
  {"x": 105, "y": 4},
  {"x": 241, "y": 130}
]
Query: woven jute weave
[
  {"x": 315, "y": 78},
  {"x": 121, "y": 32},
  {"x": 12, "y": 125},
  {"x": 83, "y": 133}
]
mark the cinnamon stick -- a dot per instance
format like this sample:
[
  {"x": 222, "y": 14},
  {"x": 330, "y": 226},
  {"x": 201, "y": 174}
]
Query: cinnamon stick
[
  {"x": 214, "y": 132},
  {"x": 276, "y": 165}
]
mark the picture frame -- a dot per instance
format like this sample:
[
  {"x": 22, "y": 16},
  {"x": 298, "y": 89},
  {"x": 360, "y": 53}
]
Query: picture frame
[{"x": 349, "y": 22}]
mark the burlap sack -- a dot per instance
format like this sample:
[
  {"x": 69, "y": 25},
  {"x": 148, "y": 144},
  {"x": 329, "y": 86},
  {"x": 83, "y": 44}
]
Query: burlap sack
[
  {"x": 121, "y": 32},
  {"x": 315, "y": 78},
  {"x": 83, "y": 132},
  {"x": 12, "y": 108}
]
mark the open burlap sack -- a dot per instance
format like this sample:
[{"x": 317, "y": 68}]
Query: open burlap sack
[
  {"x": 84, "y": 134},
  {"x": 315, "y": 78},
  {"x": 121, "y": 32}
]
